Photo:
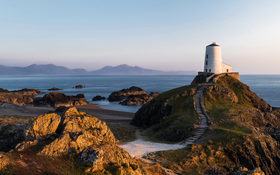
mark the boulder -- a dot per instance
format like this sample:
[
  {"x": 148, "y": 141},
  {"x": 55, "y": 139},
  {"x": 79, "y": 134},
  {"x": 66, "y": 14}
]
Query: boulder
[
  {"x": 135, "y": 100},
  {"x": 79, "y": 135},
  {"x": 56, "y": 99},
  {"x": 11, "y": 135},
  {"x": 44, "y": 125},
  {"x": 19, "y": 97},
  {"x": 79, "y": 86},
  {"x": 54, "y": 89},
  {"x": 3, "y": 90},
  {"x": 124, "y": 93},
  {"x": 98, "y": 98}
]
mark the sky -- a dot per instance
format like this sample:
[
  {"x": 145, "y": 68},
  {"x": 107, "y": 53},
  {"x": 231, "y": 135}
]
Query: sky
[{"x": 158, "y": 34}]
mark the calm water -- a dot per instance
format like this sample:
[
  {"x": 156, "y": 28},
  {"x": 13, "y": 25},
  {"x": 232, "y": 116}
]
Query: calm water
[{"x": 266, "y": 86}]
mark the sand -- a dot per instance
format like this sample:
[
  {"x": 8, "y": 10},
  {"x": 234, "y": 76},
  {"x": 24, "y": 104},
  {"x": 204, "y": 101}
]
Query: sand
[{"x": 141, "y": 146}]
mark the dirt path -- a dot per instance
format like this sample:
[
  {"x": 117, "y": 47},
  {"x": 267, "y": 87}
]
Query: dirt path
[{"x": 140, "y": 147}]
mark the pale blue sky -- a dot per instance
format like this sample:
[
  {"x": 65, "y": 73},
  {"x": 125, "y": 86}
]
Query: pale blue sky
[{"x": 158, "y": 34}]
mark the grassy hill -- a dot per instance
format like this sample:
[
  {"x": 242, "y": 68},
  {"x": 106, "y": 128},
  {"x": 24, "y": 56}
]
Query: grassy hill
[
  {"x": 242, "y": 133},
  {"x": 170, "y": 117}
]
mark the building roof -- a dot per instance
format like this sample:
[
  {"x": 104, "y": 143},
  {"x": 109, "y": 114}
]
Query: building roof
[{"x": 213, "y": 44}]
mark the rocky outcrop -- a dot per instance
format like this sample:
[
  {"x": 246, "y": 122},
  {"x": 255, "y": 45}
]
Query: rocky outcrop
[
  {"x": 19, "y": 97},
  {"x": 77, "y": 134},
  {"x": 98, "y": 98},
  {"x": 79, "y": 86},
  {"x": 11, "y": 135},
  {"x": 223, "y": 93},
  {"x": 135, "y": 100},
  {"x": 243, "y": 92},
  {"x": 54, "y": 89},
  {"x": 157, "y": 109},
  {"x": 124, "y": 93},
  {"x": 43, "y": 126},
  {"x": 4, "y": 161},
  {"x": 56, "y": 99},
  {"x": 132, "y": 96},
  {"x": 3, "y": 90},
  {"x": 151, "y": 114}
]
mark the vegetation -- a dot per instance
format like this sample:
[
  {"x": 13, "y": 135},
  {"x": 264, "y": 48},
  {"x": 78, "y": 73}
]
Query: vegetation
[
  {"x": 124, "y": 133},
  {"x": 179, "y": 124},
  {"x": 225, "y": 140}
]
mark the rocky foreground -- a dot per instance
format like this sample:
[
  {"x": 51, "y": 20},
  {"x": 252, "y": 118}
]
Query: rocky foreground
[{"x": 70, "y": 136}]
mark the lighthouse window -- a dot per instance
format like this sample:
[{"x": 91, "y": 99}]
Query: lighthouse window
[
  {"x": 206, "y": 62},
  {"x": 206, "y": 55}
]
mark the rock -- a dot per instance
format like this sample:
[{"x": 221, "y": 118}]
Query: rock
[
  {"x": 54, "y": 89},
  {"x": 124, "y": 93},
  {"x": 79, "y": 86},
  {"x": 19, "y": 97},
  {"x": 135, "y": 100},
  {"x": 25, "y": 91},
  {"x": 79, "y": 135},
  {"x": 4, "y": 161},
  {"x": 151, "y": 113},
  {"x": 98, "y": 98},
  {"x": 56, "y": 99},
  {"x": 243, "y": 92},
  {"x": 3, "y": 90},
  {"x": 11, "y": 135},
  {"x": 43, "y": 125},
  {"x": 223, "y": 93},
  {"x": 154, "y": 94},
  {"x": 161, "y": 115}
]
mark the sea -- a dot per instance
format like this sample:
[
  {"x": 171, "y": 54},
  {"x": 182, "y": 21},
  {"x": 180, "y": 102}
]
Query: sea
[{"x": 266, "y": 86}]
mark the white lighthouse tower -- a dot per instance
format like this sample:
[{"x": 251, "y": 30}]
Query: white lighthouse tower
[
  {"x": 213, "y": 60},
  {"x": 214, "y": 68}
]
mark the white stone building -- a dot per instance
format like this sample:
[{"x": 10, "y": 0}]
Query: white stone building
[{"x": 213, "y": 60}]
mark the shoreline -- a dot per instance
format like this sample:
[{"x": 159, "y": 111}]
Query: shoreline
[{"x": 29, "y": 110}]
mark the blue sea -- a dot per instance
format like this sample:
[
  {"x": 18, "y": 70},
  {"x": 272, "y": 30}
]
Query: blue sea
[{"x": 266, "y": 86}]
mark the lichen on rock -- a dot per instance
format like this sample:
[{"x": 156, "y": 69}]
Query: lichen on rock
[{"x": 76, "y": 134}]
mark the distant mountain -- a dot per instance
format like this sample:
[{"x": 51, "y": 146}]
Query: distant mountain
[
  {"x": 124, "y": 69},
  {"x": 51, "y": 69},
  {"x": 34, "y": 69}
]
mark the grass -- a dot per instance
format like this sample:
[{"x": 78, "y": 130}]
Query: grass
[
  {"x": 224, "y": 131},
  {"x": 182, "y": 119},
  {"x": 173, "y": 92},
  {"x": 31, "y": 163},
  {"x": 122, "y": 132}
]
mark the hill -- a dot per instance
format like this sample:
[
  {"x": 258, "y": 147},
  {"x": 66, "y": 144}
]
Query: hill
[
  {"x": 34, "y": 69},
  {"x": 243, "y": 133},
  {"x": 51, "y": 69},
  {"x": 124, "y": 69}
]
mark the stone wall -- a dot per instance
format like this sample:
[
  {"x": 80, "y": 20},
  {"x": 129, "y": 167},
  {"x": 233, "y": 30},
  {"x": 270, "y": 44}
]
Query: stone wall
[
  {"x": 202, "y": 76},
  {"x": 231, "y": 74}
]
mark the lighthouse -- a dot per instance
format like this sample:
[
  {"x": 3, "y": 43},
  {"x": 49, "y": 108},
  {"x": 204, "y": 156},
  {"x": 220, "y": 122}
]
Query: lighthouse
[
  {"x": 214, "y": 68},
  {"x": 213, "y": 60}
]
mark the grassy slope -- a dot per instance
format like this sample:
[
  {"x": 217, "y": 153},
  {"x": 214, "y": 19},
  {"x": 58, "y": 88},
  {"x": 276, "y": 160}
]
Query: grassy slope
[
  {"x": 224, "y": 131},
  {"x": 183, "y": 117}
]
